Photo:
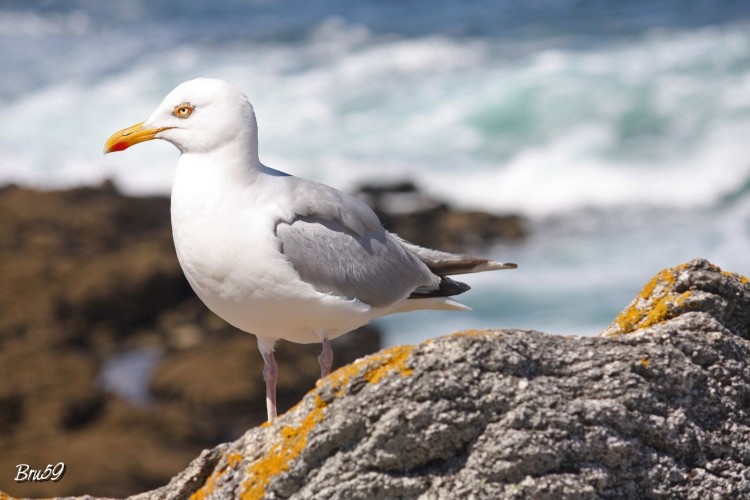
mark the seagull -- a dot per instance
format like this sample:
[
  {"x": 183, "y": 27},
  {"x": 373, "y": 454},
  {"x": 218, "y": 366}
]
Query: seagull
[{"x": 276, "y": 255}]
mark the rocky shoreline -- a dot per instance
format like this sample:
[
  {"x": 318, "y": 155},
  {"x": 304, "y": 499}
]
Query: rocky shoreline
[
  {"x": 422, "y": 219},
  {"x": 89, "y": 274},
  {"x": 656, "y": 407}
]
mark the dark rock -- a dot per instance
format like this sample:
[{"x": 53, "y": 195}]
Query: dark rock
[
  {"x": 11, "y": 410},
  {"x": 655, "y": 409},
  {"x": 418, "y": 217}
]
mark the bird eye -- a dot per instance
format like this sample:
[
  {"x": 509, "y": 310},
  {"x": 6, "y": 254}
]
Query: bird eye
[{"x": 183, "y": 111}]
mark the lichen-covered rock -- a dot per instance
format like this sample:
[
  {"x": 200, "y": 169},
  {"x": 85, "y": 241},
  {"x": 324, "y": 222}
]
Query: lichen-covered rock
[
  {"x": 657, "y": 407},
  {"x": 659, "y": 411},
  {"x": 695, "y": 286}
]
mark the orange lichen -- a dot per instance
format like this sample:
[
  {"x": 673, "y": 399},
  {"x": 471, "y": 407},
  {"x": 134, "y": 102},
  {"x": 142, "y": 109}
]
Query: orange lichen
[
  {"x": 743, "y": 279},
  {"x": 372, "y": 368},
  {"x": 463, "y": 333},
  {"x": 232, "y": 460},
  {"x": 659, "y": 301},
  {"x": 470, "y": 333},
  {"x": 663, "y": 309},
  {"x": 208, "y": 486},
  {"x": 278, "y": 458},
  {"x": 294, "y": 438},
  {"x": 656, "y": 302},
  {"x": 397, "y": 362}
]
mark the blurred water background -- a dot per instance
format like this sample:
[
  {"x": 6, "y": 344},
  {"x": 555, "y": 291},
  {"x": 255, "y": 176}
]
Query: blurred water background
[{"x": 620, "y": 129}]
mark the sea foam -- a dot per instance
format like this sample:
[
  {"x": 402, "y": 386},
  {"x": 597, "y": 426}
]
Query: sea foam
[{"x": 655, "y": 120}]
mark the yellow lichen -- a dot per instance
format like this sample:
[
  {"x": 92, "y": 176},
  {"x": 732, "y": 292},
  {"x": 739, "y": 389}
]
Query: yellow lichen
[
  {"x": 208, "y": 486},
  {"x": 743, "y": 279},
  {"x": 645, "y": 362},
  {"x": 396, "y": 362},
  {"x": 464, "y": 333},
  {"x": 277, "y": 459},
  {"x": 293, "y": 439},
  {"x": 232, "y": 460},
  {"x": 656, "y": 302},
  {"x": 372, "y": 368},
  {"x": 470, "y": 333}
]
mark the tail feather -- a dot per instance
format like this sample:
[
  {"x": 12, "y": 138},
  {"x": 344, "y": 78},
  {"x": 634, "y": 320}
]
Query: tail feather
[
  {"x": 462, "y": 264},
  {"x": 444, "y": 264},
  {"x": 449, "y": 264},
  {"x": 432, "y": 303}
]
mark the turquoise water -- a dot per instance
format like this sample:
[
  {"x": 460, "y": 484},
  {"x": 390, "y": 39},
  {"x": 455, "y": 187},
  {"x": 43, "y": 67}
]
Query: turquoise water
[{"x": 620, "y": 131}]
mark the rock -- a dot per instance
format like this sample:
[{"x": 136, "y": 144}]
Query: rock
[
  {"x": 417, "y": 217},
  {"x": 81, "y": 260},
  {"x": 658, "y": 407},
  {"x": 655, "y": 407},
  {"x": 697, "y": 286}
]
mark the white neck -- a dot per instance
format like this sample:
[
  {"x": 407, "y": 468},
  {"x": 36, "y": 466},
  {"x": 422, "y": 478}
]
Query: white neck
[{"x": 234, "y": 163}]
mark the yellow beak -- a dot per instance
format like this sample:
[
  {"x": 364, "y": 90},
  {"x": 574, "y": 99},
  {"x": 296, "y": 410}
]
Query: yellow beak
[{"x": 127, "y": 137}]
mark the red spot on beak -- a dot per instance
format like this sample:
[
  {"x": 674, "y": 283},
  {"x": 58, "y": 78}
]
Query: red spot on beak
[{"x": 120, "y": 146}]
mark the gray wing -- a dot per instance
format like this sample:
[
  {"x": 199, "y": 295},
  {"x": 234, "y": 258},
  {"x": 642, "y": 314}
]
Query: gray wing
[
  {"x": 311, "y": 199},
  {"x": 372, "y": 267}
]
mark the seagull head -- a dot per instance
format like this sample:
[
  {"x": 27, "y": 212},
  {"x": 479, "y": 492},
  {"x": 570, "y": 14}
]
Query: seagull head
[{"x": 198, "y": 116}]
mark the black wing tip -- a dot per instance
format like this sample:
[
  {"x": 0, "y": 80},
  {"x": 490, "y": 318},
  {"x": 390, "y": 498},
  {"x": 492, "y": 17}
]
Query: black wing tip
[{"x": 448, "y": 288}]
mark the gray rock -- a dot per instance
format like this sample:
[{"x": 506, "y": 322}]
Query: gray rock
[{"x": 657, "y": 408}]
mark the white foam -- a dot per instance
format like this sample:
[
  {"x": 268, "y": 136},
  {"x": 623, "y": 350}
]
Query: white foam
[
  {"x": 37, "y": 25},
  {"x": 541, "y": 134}
]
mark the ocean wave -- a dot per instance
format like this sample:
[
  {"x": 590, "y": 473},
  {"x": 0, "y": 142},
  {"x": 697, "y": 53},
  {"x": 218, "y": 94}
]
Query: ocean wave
[
  {"x": 658, "y": 119},
  {"x": 29, "y": 24},
  {"x": 623, "y": 141}
]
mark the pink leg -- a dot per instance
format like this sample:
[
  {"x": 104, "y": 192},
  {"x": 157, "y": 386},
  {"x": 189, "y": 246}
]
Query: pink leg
[
  {"x": 326, "y": 358},
  {"x": 270, "y": 374}
]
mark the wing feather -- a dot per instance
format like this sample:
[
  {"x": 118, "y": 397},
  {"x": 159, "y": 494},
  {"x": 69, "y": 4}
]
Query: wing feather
[
  {"x": 373, "y": 267},
  {"x": 449, "y": 264},
  {"x": 337, "y": 244}
]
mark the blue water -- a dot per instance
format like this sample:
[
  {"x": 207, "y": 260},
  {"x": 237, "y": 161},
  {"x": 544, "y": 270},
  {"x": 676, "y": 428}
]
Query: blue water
[
  {"x": 620, "y": 129},
  {"x": 128, "y": 374}
]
